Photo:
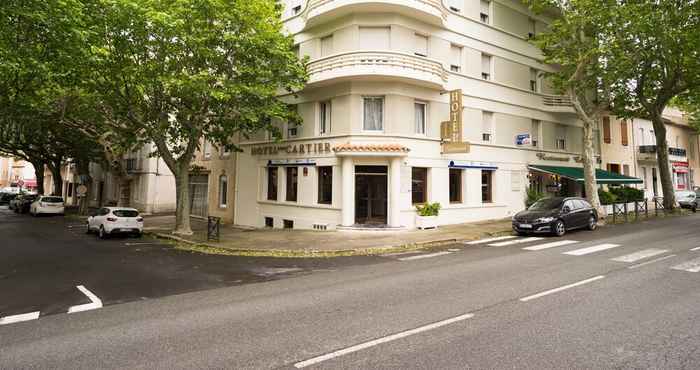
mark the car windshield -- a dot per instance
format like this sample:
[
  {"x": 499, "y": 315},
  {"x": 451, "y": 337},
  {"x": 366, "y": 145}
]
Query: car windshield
[
  {"x": 546, "y": 204},
  {"x": 125, "y": 213},
  {"x": 685, "y": 194},
  {"x": 52, "y": 200}
]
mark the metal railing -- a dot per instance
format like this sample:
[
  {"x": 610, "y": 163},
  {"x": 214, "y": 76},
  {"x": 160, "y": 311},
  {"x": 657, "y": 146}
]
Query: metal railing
[
  {"x": 556, "y": 101},
  {"x": 651, "y": 149}
]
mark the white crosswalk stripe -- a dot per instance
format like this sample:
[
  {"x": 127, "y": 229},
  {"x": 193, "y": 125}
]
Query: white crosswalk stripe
[
  {"x": 636, "y": 256},
  {"x": 593, "y": 249},
  {"x": 690, "y": 266},
  {"x": 516, "y": 241},
  {"x": 489, "y": 240},
  {"x": 560, "y": 243}
]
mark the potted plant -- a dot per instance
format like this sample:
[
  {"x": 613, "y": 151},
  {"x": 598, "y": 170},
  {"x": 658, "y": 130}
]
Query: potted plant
[{"x": 427, "y": 214}]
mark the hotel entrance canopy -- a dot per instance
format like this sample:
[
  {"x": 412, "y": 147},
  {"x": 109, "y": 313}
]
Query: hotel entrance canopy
[{"x": 576, "y": 174}]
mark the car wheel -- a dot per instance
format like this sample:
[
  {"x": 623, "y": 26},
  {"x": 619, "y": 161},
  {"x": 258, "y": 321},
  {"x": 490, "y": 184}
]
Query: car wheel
[
  {"x": 559, "y": 228},
  {"x": 102, "y": 233},
  {"x": 592, "y": 223}
]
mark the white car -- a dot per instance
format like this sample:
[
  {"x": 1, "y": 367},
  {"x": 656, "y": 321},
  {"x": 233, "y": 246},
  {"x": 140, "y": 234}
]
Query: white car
[
  {"x": 47, "y": 204},
  {"x": 115, "y": 220}
]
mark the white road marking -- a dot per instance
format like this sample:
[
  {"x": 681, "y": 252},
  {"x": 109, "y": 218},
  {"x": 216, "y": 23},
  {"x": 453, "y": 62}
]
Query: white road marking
[
  {"x": 453, "y": 250},
  {"x": 593, "y": 249},
  {"x": 372, "y": 343},
  {"x": 547, "y": 292},
  {"x": 489, "y": 240},
  {"x": 517, "y": 241},
  {"x": 421, "y": 256},
  {"x": 652, "y": 261},
  {"x": 96, "y": 302},
  {"x": 144, "y": 243},
  {"x": 19, "y": 318},
  {"x": 690, "y": 266},
  {"x": 695, "y": 249},
  {"x": 636, "y": 256},
  {"x": 550, "y": 245}
]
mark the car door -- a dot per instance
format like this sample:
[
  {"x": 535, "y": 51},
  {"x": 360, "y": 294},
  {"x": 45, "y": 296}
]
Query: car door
[
  {"x": 99, "y": 218},
  {"x": 583, "y": 212},
  {"x": 568, "y": 214}
]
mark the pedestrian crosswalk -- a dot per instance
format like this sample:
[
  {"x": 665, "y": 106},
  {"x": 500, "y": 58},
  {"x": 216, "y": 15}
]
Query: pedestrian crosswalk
[
  {"x": 690, "y": 266},
  {"x": 593, "y": 249},
  {"x": 636, "y": 256}
]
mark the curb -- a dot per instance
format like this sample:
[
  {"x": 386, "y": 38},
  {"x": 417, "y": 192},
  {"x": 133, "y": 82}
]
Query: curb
[{"x": 208, "y": 248}]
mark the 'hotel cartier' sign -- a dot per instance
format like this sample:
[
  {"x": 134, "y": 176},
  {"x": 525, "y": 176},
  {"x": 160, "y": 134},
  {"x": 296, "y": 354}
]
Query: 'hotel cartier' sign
[{"x": 292, "y": 149}]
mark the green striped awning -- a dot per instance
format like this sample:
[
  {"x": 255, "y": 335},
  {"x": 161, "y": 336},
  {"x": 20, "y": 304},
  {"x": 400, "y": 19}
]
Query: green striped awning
[{"x": 576, "y": 174}]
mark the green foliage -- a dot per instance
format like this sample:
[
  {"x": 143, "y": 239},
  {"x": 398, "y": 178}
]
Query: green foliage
[
  {"x": 625, "y": 194},
  {"x": 606, "y": 197},
  {"x": 428, "y": 209},
  {"x": 532, "y": 196}
]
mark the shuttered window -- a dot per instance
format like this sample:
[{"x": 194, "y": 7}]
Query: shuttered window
[
  {"x": 606, "y": 130},
  {"x": 374, "y": 38},
  {"x": 327, "y": 45},
  {"x": 623, "y": 132},
  {"x": 421, "y": 45}
]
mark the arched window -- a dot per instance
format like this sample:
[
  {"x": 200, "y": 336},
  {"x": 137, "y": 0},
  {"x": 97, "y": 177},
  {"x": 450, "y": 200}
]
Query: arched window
[{"x": 223, "y": 191}]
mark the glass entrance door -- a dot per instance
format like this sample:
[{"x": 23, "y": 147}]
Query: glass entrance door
[{"x": 371, "y": 195}]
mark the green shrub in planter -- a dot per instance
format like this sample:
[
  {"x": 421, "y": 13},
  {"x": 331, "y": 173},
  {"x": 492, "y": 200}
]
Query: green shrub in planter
[
  {"x": 606, "y": 197},
  {"x": 428, "y": 209},
  {"x": 627, "y": 194}
]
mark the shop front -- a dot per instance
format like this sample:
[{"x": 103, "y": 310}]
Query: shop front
[
  {"x": 569, "y": 181},
  {"x": 681, "y": 175}
]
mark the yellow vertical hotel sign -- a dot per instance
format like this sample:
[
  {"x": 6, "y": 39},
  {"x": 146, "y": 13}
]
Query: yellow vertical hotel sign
[{"x": 456, "y": 115}]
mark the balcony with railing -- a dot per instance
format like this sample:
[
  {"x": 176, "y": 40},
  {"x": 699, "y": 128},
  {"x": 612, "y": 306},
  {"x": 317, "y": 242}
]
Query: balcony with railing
[
  {"x": 648, "y": 152},
  {"x": 378, "y": 65},
  {"x": 430, "y": 11},
  {"x": 557, "y": 102}
]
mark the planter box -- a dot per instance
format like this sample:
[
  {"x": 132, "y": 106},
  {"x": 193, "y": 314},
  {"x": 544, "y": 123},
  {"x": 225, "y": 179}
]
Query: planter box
[{"x": 426, "y": 222}]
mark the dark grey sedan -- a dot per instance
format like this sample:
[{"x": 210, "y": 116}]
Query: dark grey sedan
[{"x": 556, "y": 215}]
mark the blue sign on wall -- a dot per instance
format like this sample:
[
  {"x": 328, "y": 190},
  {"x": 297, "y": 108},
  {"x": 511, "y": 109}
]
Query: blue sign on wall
[{"x": 523, "y": 139}]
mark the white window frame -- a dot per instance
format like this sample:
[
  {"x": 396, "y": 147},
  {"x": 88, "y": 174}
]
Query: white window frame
[
  {"x": 489, "y": 18},
  {"x": 223, "y": 190},
  {"x": 425, "y": 118},
  {"x": 324, "y": 125},
  {"x": 490, "y": 71},
  {"x": 383, "y": 120}
]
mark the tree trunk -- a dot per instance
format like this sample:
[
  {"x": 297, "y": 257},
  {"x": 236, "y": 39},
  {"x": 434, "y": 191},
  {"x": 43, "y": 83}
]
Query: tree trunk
[
  {"x": 57, "y": 180},
  {"x": 39, "y": 174},
  {"x": 588, "y": 154},
  {"x": 662, "y": 159},
  {"x": 85, "y": 180},
  {"x": 182, "y": 211}
]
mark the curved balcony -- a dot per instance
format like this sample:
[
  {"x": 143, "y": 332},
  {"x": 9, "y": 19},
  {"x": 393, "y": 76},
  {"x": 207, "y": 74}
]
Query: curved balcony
[
  {"x": 378, "y": 65},
  {"x": 430, "y": 11}
]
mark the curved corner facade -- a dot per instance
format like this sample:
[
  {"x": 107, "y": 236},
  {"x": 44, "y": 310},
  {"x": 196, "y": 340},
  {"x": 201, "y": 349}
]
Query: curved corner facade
[{"x": 371, "y": 144}]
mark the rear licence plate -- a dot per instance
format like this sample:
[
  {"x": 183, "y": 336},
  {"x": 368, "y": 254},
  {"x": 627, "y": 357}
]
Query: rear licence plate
[{"x": 525, "y": 226}]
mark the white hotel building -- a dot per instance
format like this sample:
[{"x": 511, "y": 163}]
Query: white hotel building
[{"x": 370, "y": 147}]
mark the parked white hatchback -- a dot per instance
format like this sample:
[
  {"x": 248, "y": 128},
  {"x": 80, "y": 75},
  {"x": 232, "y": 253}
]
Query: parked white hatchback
[
  {"x": 47, "y": 205},
  {"x": 115, "y": 220}
]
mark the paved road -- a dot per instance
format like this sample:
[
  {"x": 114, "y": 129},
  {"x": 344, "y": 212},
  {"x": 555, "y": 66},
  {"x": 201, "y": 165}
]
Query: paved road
[{"x": 623, "y": 297}]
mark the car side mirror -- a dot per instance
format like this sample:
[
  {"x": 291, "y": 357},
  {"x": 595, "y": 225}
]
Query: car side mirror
[{"x": 566, "y": 209}]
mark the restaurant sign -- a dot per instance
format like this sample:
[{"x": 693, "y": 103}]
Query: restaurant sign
[{"x": 292, "y": 149}]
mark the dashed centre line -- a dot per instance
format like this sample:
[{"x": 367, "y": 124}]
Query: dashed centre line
[
  {"x": 372, "y": 343},
  {"x": 565, "y": 287},
  {"x": 421, "y": 256}
]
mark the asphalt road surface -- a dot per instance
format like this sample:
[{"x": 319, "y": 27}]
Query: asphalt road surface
[{"x": 623, "y": 297}]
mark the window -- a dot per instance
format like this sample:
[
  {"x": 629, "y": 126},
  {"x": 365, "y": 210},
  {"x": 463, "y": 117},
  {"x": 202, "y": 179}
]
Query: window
[
  {"x": 374, "y": 38},
  {"x": 486, "y": 67},
  {"x": 485, "y": 11},
  {"x": 420, "y": 45},
  {"x": 223, "y": 191},
  {"x": 269, "y": 222},
  {"x": 487, "y": 126},
  {"x": 534, "y": 85},
  {"x": 288, "y": 224},
  {"x": 419, "y": 180},
  {"x": 325, "y": 185},
  {"x": 644, "y": 177},
  {"x": 292, "y": 130},
  {"x": 272, "y": 183},
  {"x": 561, "y": 144},
  {"x": 292, "y": 183},
  {"x": 535, "y": 132},
  {"x": 70, "y": 190},
  {"x": 373, "y": 113},
  {"x": 420, "y": 113},
  {"x": 206, "y": 149},
  {"x": 641, "y": 136},
  {"x": 225, "y": 151},
  {"x": 626, "y": 169},
  {"x": 486, "y": 186},
  {"x": 623, "y": 132},
  {"x": 606, "y": 130},
  {"x": 324, "y": 124},
  {"x": 455, "y": 58},
  {"x": 326, "y": 45},
  {"x": 455, "y": 185}
]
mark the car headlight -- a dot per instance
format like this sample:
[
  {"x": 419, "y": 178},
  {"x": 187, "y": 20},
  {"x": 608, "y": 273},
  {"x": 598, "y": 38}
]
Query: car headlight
[{"x": 544, "y": 220}]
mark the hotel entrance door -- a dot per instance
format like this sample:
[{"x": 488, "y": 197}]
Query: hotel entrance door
[{"x": 370, "y": 195}]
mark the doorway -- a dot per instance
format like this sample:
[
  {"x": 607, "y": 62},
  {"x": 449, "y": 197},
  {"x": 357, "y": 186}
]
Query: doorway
[
  {"x": 199, "y": 189},
  {"x": 371, "y": 195},
  {"x": 653, "y": 182}
]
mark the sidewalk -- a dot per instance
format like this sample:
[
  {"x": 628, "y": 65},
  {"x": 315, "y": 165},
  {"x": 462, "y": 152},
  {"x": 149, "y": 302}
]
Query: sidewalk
[{"x": 306, "y": 243}]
